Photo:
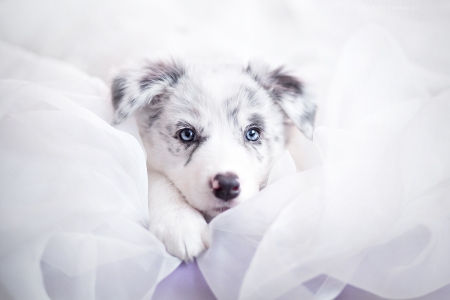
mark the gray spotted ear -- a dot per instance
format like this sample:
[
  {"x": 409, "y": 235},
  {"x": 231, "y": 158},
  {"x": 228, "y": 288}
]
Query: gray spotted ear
[
  {"x": 136, "y": 87},
  {"x": 287, "y": 91}
]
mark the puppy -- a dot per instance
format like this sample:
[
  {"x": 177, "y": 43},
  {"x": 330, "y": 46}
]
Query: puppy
[{"x": 211, "y": 136}]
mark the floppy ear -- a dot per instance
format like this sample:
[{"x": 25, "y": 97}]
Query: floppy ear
[
  {"x": 287, "y": 91},
  {"x": 135, "y": 88}
]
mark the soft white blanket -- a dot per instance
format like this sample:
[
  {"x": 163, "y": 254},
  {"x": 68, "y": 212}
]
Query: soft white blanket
[{"x": 375, "y": 214}]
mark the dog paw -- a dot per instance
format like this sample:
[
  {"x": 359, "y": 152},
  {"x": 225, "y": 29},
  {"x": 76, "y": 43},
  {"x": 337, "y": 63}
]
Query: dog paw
[{"x": 185, "y": 233}]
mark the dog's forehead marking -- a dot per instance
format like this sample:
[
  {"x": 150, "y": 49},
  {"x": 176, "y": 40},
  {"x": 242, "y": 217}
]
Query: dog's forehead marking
[
  {"x": 214, "y": 97},
  {"x": 257, "y": 120}
]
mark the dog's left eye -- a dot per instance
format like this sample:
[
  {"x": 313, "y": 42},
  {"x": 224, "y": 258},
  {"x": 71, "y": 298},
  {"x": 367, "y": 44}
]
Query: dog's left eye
[
  {"x": 252, "y": 134},
  {"x": 187, "y": 135}
]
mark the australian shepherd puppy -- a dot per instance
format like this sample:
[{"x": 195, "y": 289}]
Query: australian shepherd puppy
[{"x": 211, "y": 136}]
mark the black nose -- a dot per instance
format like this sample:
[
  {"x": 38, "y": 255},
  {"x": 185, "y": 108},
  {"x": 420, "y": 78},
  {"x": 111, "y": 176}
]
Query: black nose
[{"x": 226, "y": 186}]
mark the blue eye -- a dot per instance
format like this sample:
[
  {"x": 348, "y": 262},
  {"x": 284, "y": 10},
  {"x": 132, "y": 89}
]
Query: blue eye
[
  {"x": 187, "y": 135},
  {"x": 252, "y": 135}
]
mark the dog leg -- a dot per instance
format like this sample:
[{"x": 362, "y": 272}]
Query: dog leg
[{"x": 181, "y": 228}]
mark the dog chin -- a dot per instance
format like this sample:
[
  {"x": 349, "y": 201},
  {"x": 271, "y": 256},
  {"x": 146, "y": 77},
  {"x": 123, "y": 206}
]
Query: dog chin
[{"x": 212, "y": 213}]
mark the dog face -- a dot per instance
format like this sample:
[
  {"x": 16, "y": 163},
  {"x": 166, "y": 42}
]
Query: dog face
[{"x": 214, "y": 132}]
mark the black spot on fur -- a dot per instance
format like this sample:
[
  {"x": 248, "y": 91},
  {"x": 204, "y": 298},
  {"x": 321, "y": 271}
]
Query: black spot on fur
[
  {"x": 249, "y": 71},
  {"x": 250, "y": 94},
  {"x": 285, "y": 83},
  {"x": 255, "y": 149},
  {"x": 277, "y": 82},
  {"x": 198, "y": 143},
  {"x": 161, "y": 71},
  {"x": 257, "y": 120},
  {"x": 154, "y": 115},
  {"x": 233, "y": 116},
  {"x": 309, "y": 116},
  {"x": 118, "y": 90},
  {"x": 183, "y": 124},
  {"x": 187, "y": 145},
  {"x": 122, "y": 114},
  {"x": 263, "y": 183}
]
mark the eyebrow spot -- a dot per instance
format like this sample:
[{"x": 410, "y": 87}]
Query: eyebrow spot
[{"x": 257, "y": 120}]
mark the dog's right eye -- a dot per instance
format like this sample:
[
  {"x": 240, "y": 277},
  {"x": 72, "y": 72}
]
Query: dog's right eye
[
  {"x": 252, "y": 135},
  {"x": 187, "y": 135}
]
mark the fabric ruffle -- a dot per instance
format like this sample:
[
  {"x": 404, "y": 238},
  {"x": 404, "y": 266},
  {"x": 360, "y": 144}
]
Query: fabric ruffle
[
  {"x": 73, "y": 209},
  {"x": 375, "y": 215}
]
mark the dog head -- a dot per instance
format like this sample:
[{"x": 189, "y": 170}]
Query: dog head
[{"x": 214, "y": 132}]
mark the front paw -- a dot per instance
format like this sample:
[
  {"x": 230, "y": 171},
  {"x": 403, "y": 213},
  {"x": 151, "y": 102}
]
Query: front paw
[{"x": 184, "y": 232}]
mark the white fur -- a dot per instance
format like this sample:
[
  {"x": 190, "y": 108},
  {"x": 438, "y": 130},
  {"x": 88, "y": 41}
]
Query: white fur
[
  {"x": 219, "y": 104},
  {"x": 179, "y": 226}
]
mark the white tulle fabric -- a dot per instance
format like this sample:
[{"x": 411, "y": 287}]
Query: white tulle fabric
[
  {"x": 73, "y": 210},
  {"x": 375, "y": 214}
]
